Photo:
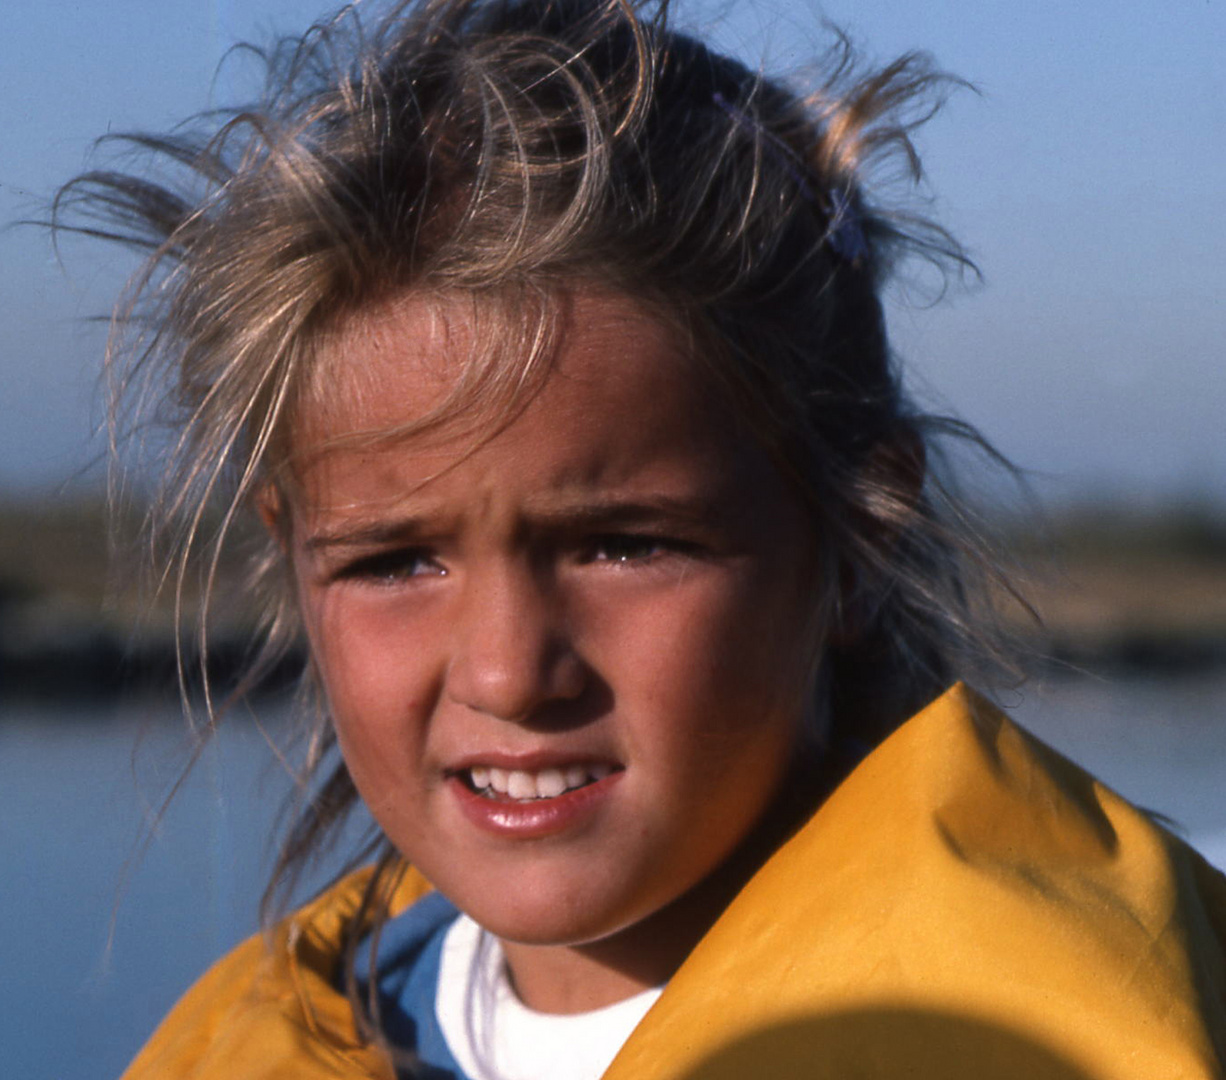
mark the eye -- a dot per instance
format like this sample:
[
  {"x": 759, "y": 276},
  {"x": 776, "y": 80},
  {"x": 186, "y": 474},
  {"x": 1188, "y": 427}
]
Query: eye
[
  {"x": 391, "y": 567},
  {"x": 627, "y": 548}
]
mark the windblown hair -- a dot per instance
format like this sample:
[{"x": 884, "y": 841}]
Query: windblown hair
[{"x": 504, "y": 151}]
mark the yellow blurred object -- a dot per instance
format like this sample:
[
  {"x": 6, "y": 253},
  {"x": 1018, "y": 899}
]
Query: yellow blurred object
[{"x": 968, "y": 904}]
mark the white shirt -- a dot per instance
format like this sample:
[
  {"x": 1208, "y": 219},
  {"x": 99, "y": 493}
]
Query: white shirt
[{"x": 495, "y": 1036}]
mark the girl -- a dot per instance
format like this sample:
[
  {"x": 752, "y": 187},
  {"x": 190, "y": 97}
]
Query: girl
[{"x": 547, "y": 345}]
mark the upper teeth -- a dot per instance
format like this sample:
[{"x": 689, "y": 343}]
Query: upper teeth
[{"x": 546, "y": 784}]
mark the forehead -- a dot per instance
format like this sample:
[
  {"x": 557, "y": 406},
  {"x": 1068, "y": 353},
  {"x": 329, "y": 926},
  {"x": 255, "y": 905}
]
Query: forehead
[
  {"x": 438, "y": 368},
  {"x": 423, "y": 399}
]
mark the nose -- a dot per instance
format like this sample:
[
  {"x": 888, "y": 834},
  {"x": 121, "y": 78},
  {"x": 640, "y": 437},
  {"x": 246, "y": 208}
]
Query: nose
[{"x": 512, "y": 655}]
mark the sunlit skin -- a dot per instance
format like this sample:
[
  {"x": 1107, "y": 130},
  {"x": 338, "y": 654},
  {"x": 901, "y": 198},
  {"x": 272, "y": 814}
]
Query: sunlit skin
[{"x": 618, "y": 579}]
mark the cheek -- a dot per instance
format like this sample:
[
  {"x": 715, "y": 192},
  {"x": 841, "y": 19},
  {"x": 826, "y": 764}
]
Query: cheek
[
  {"x": 719, "y": 659},
  {"x": 365, "y": 647},
  {"x": 376, "y": 683}
]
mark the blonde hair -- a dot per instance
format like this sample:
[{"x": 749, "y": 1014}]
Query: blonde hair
[{"x": 503, "y": 150}]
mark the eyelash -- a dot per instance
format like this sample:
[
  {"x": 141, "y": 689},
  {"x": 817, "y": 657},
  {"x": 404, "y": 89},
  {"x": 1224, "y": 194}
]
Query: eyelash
[
  {"x": 388, "y": 567},
  {"x": 614, "y": 549},
  {"x": 625, "y": 548}
]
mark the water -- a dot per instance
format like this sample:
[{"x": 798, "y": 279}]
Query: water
[
  {"x": 99, "y": 940},
  {"x": 93, "y": 955}
]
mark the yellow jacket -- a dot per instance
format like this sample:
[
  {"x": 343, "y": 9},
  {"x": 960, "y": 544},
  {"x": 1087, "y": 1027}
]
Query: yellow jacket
[{"x": 968, "y": 904}]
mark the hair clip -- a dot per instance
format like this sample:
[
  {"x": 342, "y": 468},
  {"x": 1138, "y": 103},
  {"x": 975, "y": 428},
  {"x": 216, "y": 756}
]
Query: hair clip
[
  {"x": 783, "y": 153},
  {"x": 844, "y": 232}
]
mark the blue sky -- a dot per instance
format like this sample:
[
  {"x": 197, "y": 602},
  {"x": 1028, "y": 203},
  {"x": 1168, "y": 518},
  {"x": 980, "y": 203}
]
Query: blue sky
[{"x": 1088, "y": 178}]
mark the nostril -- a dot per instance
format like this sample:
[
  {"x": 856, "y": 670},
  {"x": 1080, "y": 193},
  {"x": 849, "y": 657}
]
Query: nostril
[{"x": 569, "y": 676}]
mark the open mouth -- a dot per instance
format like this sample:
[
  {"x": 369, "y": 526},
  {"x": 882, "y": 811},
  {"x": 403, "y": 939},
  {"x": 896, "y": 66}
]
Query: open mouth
[{"x": 522, "y": 785}]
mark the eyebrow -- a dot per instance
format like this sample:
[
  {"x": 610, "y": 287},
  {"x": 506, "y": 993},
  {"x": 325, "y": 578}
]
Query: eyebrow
[
  {"x": 598, "y": 513},
  {"x": 367, "y": 535}
]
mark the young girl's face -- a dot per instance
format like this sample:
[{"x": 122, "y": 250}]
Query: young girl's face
[{"x": 567, "y": 665}]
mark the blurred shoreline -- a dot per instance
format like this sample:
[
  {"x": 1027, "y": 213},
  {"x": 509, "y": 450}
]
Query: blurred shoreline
[
  {"x": 1121, "y": 591},
  {"x": 1115, "y": 592},
  {"x": 77, "y": 624}
]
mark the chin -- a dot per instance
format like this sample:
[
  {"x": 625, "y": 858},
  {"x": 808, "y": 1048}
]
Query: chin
[
  {"x": 555, "y": 913},
  {"x": 551, "y": 924}
]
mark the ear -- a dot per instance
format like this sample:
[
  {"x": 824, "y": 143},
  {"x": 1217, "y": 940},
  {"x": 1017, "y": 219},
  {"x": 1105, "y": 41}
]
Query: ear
[
  {"x": 273, "y": 509},
  {"x": 888, "y": 488}
]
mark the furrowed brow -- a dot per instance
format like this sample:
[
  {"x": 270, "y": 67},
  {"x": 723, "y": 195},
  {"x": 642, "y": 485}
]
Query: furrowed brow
[
  {"x": 370, "y": 534},
  {"x": 613, "y": 513},
  {"x": 609, "y": 513}
]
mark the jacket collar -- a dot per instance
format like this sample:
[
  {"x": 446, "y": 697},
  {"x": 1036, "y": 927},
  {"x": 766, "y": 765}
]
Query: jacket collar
[{"x": 967, "y": 903}]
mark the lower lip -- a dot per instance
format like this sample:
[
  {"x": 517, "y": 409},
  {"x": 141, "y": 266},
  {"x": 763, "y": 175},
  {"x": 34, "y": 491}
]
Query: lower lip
[{"x": 535, "y": 818}]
